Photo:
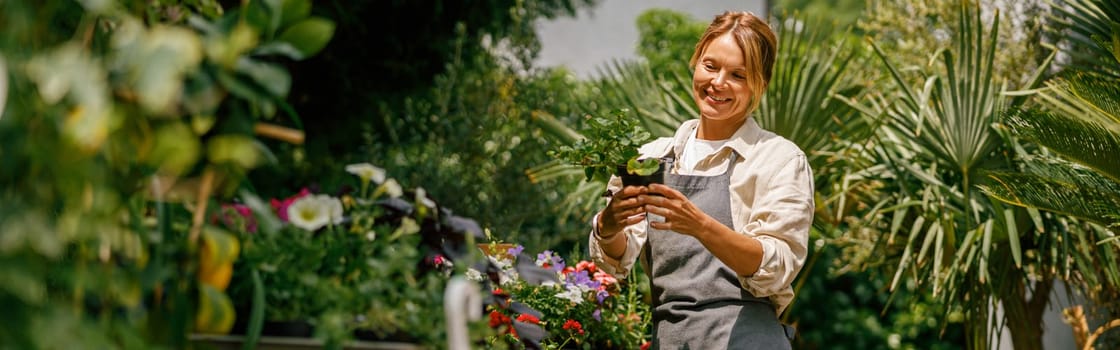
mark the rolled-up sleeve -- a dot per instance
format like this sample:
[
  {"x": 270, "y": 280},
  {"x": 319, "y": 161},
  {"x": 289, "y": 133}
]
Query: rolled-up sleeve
[
  {"x": 636, "y": 236},
  {"x": 780, "y": 218}
]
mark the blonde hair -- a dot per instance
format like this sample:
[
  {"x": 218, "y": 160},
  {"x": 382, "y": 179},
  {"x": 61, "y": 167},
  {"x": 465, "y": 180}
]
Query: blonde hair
[{"x": 755, "y": 39}]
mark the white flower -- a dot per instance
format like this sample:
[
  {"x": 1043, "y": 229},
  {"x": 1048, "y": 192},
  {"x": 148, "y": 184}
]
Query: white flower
[
  {"x": 422, "y": 198},
  {"x": 315, "y": 211},
  {"x": 335, "y": 207},
  {"x": 408, "y": 226},
  {"x": 572, "y": 293},
  {"x": 371, "y": 235},
  {"x": 367, "y": 172},
  {"x": 393, "y": 188},
  {"x": 474, "y": 275},
  {"x": 309, "y": 213}
]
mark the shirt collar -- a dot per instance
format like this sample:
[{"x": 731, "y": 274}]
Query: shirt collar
[{"x": 741, "y": 141}]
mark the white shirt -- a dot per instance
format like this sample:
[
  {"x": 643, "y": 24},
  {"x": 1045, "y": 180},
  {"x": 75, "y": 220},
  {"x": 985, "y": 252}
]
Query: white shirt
[
  {"x": 697, "y": 149},
  {"x": 771, "y": 201}
]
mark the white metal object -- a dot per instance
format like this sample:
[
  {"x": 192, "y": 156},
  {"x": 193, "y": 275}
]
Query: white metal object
[
  {"x": 3, "y": 85},
  {"x": 461, "y": 304}
]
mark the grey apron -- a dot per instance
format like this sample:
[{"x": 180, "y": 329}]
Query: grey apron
[{"x": 698, "y": 303}]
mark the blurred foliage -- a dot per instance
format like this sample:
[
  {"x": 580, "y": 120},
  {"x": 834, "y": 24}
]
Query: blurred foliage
[
  {"x": 118, "y": 130},
  {"x": 842, "y": 13},
  {"x": 913, "y": 29},
  {"x": 664, "y": 36}
]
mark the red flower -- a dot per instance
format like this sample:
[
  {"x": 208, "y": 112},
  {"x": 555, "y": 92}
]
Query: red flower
[
  {"x": 645, "y": 346},
  {"x": 574, "y": 326},
  {"x": 567, "y": 270},
  {"x": 497, "y": 319},
  {"x": 527, "y": 318},
  {"x": 281, "y": 206}
]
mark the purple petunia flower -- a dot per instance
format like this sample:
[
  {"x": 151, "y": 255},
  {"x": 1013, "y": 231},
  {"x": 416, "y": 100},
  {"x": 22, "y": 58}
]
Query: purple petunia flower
[
  {"x": 551, "y": 261},
  {"x": 598, "y": 315},
  {"x": 581, "y": 280},
  {"x": 601, "y": 295},
  {"x": 515, "y": 251}
]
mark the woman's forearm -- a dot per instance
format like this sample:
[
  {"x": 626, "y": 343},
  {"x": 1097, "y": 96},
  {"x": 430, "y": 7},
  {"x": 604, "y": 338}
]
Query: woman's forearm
[{"x": 743, "y": 254}]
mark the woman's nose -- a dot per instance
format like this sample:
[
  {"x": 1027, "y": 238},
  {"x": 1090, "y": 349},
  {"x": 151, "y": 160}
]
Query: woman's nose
[{"x": 719, "y": 80}]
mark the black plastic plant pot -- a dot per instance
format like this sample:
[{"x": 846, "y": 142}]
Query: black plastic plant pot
[{"x": 642, "y": 180}]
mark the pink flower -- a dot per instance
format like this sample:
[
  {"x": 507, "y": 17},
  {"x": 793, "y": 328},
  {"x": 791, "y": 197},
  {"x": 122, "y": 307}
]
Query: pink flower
[
  {"x": 605, "y": 279},
  {"x": 236, "y": 217},
  {"x": 281, "y": 206},
  {"x": 586, "y": 265}
]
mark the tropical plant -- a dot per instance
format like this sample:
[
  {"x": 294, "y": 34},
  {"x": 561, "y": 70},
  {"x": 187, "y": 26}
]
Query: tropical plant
[
  {"x": 969, "y": 249},
  {"x": 1077, "y": 122}
]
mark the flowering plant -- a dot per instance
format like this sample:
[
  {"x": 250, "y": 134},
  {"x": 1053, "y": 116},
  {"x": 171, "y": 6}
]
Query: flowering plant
[
  {"x": 577, "y": 306},
  {"x": 367, "y": 261}
]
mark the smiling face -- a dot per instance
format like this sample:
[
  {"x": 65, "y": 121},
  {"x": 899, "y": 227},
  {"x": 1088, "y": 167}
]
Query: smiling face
[
  {"x": 719, "y": 82},
  {"x": 730, "y": 71}
]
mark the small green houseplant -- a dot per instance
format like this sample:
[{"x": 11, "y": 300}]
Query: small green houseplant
[{"x": 610, "y": 146}]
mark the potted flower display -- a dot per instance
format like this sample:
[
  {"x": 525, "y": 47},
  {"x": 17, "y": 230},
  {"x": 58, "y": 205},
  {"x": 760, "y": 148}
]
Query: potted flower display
[
  {"x": 542, "y": 302},
  {"x": 610, "y": 146}
]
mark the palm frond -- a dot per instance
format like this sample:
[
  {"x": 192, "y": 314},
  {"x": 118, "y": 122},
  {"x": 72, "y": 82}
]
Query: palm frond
[
  {"x": 1084, "y": 142},
  {"x": 1059, "y": 189},
  {"x": 799, "y": 104},
  {"x": 661, "y": 103}
]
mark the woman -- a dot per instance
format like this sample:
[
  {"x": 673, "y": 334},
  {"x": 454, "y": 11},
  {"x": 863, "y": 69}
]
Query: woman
[{"x": 727, "y": 231}]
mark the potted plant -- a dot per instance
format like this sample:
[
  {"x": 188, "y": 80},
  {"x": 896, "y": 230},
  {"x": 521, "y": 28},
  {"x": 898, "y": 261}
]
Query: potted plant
[{"x": 610, "y": 146}]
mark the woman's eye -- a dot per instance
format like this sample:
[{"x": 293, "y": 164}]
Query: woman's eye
[{"x": 710, "y": 67}]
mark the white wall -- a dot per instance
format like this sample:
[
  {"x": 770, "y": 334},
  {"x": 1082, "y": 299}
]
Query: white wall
[{"x": 610, "y": 30}]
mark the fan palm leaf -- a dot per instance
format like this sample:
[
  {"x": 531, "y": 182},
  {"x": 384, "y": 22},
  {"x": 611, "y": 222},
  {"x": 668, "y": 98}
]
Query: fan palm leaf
[
  {"x": 1060, "y": 188},
  {"x": 799, "y": 103}
]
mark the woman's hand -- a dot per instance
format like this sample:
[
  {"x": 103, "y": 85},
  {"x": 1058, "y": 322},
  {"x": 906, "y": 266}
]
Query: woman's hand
[
  {"x": 623, "y": 210},
  {"x": 680, "y": 214}
]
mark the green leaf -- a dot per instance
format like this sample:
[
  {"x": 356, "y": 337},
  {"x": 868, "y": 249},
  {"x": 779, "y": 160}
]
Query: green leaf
[
  {"x": 272, "y": 77},
  {"x": 309, "y": 36},
  {"x": 176, "y": 149},
  {"x": 239, "y": 150},
  {"x": 294, "y": 10},
  {"x": 643, "y": 167}
]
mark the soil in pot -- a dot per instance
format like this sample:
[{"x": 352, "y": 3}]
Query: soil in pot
[{"x": 643, "y": 180}]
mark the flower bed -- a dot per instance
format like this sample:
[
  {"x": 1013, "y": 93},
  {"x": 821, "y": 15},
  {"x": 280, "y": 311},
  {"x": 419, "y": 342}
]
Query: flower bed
[
  {"x": 368, "y": 261},
  {"x": 542, "y": 302}
]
